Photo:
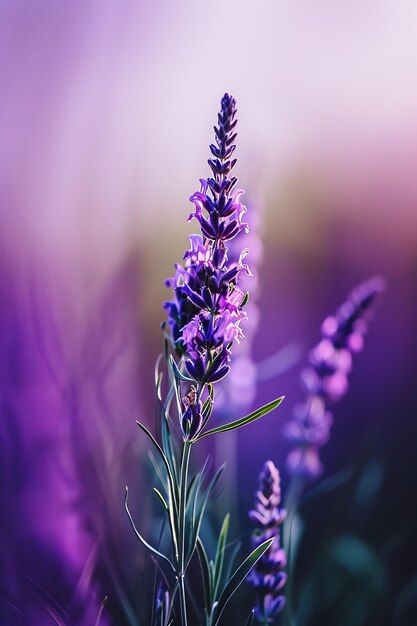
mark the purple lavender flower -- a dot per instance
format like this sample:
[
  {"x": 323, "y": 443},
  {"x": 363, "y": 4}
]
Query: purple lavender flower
[
  {"x": 238, "y": 390},
  {"x": 326, "y": 379},
  {"x": 206, "y": 311},
  {"x": 268, "y": 577}
]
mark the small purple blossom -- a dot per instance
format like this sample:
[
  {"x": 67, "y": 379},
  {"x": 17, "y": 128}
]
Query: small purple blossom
[
  {"x": 326, "y": 378},
  {"x": 267, "y": 577},
  {"x": 206, "y": 311}
]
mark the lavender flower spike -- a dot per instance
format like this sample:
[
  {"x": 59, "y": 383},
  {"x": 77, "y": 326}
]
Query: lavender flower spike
[
  {"x": 326, "y": 379},
  {"x": 268, "y": 577},
  {"x": 206, "y": 311}
]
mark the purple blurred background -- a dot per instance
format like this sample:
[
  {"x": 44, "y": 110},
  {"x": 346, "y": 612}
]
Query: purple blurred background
[{"x": 106, "y": 114}]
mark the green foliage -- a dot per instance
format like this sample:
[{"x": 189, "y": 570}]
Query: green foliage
[
  {"x": 185, "y": 498},
  {"x": 347, "y": 585},
  {"x": 218, "y": 583}
]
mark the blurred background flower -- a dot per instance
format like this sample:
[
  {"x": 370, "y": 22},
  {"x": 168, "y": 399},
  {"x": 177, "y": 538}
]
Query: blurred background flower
[{"x": 106, "y": 116}]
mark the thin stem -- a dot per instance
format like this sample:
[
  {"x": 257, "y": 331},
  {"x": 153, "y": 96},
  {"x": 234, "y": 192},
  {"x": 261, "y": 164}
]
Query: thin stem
[
  {"x": 185, "y": 458},
  {"x": 183, "y": 604}
]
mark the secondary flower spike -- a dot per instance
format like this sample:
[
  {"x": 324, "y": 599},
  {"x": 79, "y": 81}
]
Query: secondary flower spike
[
  {"x": 326, "y": 379},
  {"x": 207, "y": 308},
  {"x": 267, "y": 577}
]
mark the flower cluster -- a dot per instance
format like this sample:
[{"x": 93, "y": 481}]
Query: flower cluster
[
  {"x": 206, "y": 311},
  {"x": 238, "y": 390},
  {"x": 268, "y": 577},
  {"x": 326, "y": 379}
]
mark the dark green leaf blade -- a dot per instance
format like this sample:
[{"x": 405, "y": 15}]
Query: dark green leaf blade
[
  {"x": 238, "y": 577},
  {"x": 176, "y": 371},
  {"x": 162, "y": 455},
  {"x": 205, "y": 573},
  {"x": 139, "y": 536},
  {"x": 267, "y": 408},
  {"x": 200, "y": 509},
  {"x": 221, "y": 546}
]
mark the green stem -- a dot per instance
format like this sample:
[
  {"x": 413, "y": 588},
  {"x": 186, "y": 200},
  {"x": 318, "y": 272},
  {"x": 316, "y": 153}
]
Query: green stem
[
  {"x": 183, "y": 604},
  {"x": 185, "y": 459}
]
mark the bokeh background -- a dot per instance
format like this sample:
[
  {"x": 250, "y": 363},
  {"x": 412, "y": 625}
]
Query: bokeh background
[{"x": 106, "y": 114}]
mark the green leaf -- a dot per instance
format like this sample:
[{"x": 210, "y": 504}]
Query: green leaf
[
  {"x": 199, "y": 514},
  {"x": 167, "y": 446},
  {"x": 161, "y": 497},
  {"x": 162, "y": 455},
  {"x": 176, "y": 383},
  {"x": 191, "y": 512},
  {"x": 192, "y": 493},
  {"x": 244, "y": 420},
  {"x": 139, "y": 536},
  {"x": 205, "y": 572},
  {"x": 158, "y": 387},
  {"x": 238, "y": 577},
  {"x": 249, "y": 621},
  {"x": 221, "y": 545},
  {"x": 158, "y": 377},
  {"x": 191, "y": 488},
  {"x": 167, "y": 443},
  {"x": 208, "y": 404},
  {"x": 231, "y": 559},
  {"x": 158, "y": 471},
  {"x": 177, "y": 372}
]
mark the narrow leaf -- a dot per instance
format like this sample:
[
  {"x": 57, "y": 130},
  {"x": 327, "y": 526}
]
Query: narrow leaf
[
  {"x": 158, "y": 374},
  {"x": 162, "y": 454},
  {"x": 161, "y": 497},
  {"x": 158, "y": 471},
  {"x": 232, "y": 558},
  {"x": 249, "y": 621},
  {"x": 244, "y": 420},
  {"x": 139, "y": 536},
  {"x": 177, "y": 372},
  {"x": 167, "y": 443},
  {"x": 221, "y": 545},
  {"x": 193, "y": 523},
  {"x": 208, "y": 405},
  {"x": 238, "y": 577},
  {"x": 200, "y": 513},
  {"x": 205, "y": 572}
]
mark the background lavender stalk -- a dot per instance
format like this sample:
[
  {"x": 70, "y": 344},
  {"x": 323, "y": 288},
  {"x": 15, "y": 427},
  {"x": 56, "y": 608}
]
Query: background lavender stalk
[
  {"x": 326, "y": 382},
  {"x": 267, "y": 577},
  {"x": 43, "y": 545},
  {"x": 66, "y": 449},
  {"x": 326, "y": 379}
]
